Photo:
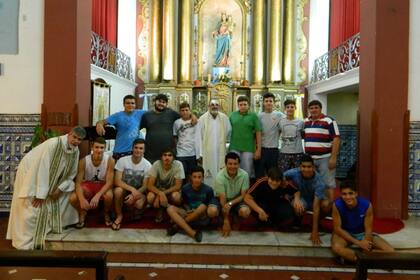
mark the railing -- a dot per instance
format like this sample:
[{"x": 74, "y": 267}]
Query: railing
[
  {"x": 104, "y": 55},
  {"x": 343, "y": 58}
]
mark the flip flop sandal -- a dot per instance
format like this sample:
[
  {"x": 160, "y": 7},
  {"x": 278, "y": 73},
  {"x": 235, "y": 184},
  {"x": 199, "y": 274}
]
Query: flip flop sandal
[{"x": 116, "y": 226}]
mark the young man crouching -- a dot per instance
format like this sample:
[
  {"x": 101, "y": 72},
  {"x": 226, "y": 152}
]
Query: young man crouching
[{"x": 199, "y": 205}]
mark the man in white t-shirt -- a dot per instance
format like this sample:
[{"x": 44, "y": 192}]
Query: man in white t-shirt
[
  {"x": 130, "y": 181},
  {"x": 164, "y": 182},
  {"x": 184, "y": 136},
  {"x": 94, "y": 182}
]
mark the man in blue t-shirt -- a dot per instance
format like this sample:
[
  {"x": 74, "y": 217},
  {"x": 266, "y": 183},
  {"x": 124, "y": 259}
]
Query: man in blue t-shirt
[
  {"x": 127, "y": 124},
  {"x": 310, "y": 195},
  {"x": 353, "y": 219},
  {"x": 199, "y": 206}
]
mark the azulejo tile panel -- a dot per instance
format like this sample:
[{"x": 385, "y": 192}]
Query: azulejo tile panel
[
  {"x": 414, "y": 168},
  {"x": 16, "y": 131},
  {"x": 348, "y": 149}
]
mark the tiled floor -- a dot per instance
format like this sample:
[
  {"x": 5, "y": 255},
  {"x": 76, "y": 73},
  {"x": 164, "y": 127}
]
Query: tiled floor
[
  {"x": 258, "y": 262},
  {"x": 239, "y": 243}
]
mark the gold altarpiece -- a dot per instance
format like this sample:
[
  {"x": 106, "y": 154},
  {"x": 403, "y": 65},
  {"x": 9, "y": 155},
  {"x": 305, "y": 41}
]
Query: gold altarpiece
[{"x": 260, "y": 44}]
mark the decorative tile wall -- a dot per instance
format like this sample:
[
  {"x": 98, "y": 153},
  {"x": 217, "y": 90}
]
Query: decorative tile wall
[
  {"x": 16, "y": 132},
  {"x": 414, "y": 169},
  {"x": 348, "y": 149}
]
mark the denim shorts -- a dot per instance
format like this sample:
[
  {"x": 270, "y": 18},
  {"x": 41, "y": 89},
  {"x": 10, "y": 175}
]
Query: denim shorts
[{"x": 327, "y": 175}]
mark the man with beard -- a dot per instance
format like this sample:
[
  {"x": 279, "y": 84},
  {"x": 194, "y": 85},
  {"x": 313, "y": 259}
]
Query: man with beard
[
  {"x": 158, "y": 123},
  {"x": 213, "y": 131},
  {"x": 127, "y": 123},
  {"x": 43, "y": 184}
]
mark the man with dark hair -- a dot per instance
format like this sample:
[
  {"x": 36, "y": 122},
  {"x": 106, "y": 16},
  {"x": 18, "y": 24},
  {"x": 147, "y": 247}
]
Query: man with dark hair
[
  {"x": 165, "y": 181},
  {"x": 199, "y": 206},
  {"x": 127, "y": 124},
  {"x": 322, "y": 142},
  {"x": 130, "y": 181},
  {"x": 43, "y": 184},
  {"x": 231, "y": 185},
  {"x": 269, "y": 198},
  {"x": 246, "y": 135},
  {"x": 353, "y": 222},
  {"x": 270, "y": 123},
  {"x": 184, "y": 136},
  {"x": 94, "y": 181},
  {"x": 158, "y": 123},
  {"x": 291, "y": 128},
  {"x": 310, "y": 194}
]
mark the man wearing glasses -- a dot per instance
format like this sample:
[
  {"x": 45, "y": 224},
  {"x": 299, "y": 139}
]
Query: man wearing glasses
[
  {"x": 212, "y": 133},
  {"x": 127, "y": 124}
]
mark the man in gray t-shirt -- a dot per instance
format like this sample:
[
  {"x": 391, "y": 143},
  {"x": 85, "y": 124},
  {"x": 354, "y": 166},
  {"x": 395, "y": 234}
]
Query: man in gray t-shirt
[
  {"x": 270, "y": 122},
  {"x": 291, "y": 128}
]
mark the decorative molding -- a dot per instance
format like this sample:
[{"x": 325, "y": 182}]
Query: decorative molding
[
  {"x": 301, "y": 41},
  {"x": 414, "y": 168},
  {"x": 247, "y": 4}
]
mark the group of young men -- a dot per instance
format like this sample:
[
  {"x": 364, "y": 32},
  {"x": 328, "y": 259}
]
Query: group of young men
[{"x": 184, "y": 167}]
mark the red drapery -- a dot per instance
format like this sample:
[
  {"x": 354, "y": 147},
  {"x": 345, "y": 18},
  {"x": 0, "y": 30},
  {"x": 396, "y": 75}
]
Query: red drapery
[
  {"x": 104, "y": 19},
  {"x": 344, "y": 20}
]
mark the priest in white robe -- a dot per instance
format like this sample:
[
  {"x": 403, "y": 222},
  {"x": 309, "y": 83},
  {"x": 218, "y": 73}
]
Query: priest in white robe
[
  {"x": 212, "y": 134},
  {"x": 43, "y": 184}
]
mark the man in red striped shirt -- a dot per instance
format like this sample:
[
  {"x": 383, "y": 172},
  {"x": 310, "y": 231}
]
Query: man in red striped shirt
[{"x": 322, "y": 142}]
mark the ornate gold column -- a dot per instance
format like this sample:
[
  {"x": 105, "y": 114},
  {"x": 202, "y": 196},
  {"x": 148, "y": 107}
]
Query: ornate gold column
[
  {"x": 168, "y": 45},
  {"x": 275, "y": 54},
  {"x": 289, "y": 44},
  {"x": 258, "y": 63},
  {"x": 185, "y": 34},
  {"x": 155, "y": 42}
]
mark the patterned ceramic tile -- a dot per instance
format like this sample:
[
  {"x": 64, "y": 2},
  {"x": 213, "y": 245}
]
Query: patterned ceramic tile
[
  {"x": 348, "y": 149},
  {"x": 16, "y": 132},
  {"x": 414, "y": 169}
]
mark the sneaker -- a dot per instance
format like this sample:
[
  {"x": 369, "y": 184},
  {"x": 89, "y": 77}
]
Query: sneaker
[
  {"x": 171, "y": 231},
  {"x": 198, "y": 236}
]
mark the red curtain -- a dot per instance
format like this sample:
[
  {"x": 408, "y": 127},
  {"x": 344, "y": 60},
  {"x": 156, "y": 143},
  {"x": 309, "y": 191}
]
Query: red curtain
[
  {"x": 344, "y": 20},
  {"x": 104, "y": 19}
]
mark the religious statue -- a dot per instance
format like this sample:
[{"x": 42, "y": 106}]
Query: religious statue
[{"x": 223, "y": 36}]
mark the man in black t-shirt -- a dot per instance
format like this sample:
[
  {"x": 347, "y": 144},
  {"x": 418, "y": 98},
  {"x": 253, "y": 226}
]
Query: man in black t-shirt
[{"x": 269, "y": 198}]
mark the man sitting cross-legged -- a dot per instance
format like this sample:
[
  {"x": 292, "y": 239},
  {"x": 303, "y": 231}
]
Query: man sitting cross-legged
[
  {"x": 165, "y": 180},
  {"x": 269, "y": 198},
  {"x": 353, "y": 219},
  {"x": 199, "y": 206},
  {"x": 231, "y": 185},
  {"x": 94, "y": 180},
  {"x": 311, "y": 194},
  {"x": 130, "y": 181}
]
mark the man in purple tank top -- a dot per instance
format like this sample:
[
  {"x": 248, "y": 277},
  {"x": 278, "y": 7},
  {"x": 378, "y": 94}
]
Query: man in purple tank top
[{"x": 353, "y": 220}]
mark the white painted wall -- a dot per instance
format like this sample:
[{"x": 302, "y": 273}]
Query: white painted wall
[
  {"x": 119, "y": 87},
  {"x": 319, "y": 20},
  {"x": 414, "y": 62},
  {"x": 126, "y": 40},
  {"x": 21, "y": 81}
]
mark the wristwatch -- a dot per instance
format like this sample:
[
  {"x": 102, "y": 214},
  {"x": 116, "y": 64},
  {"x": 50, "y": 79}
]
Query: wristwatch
[{"x": 230, "y": 203}]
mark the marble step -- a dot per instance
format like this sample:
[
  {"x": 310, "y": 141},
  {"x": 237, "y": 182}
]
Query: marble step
[{"x": 156, "y": 241}]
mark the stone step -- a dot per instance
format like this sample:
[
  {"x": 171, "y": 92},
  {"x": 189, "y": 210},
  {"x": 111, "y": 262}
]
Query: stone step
[{"x": 156, "y": 241}]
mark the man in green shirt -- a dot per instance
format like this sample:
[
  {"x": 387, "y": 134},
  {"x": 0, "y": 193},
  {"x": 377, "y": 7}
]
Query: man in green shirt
[
  {"x": 246, "y": 135},
  {"x": 231, "y": 185}
]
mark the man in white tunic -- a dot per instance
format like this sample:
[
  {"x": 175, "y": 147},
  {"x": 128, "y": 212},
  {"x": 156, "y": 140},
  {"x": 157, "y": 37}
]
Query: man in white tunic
[
  {"x": 212, "y": 133},
  {"x": 43, "y": 184}
]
